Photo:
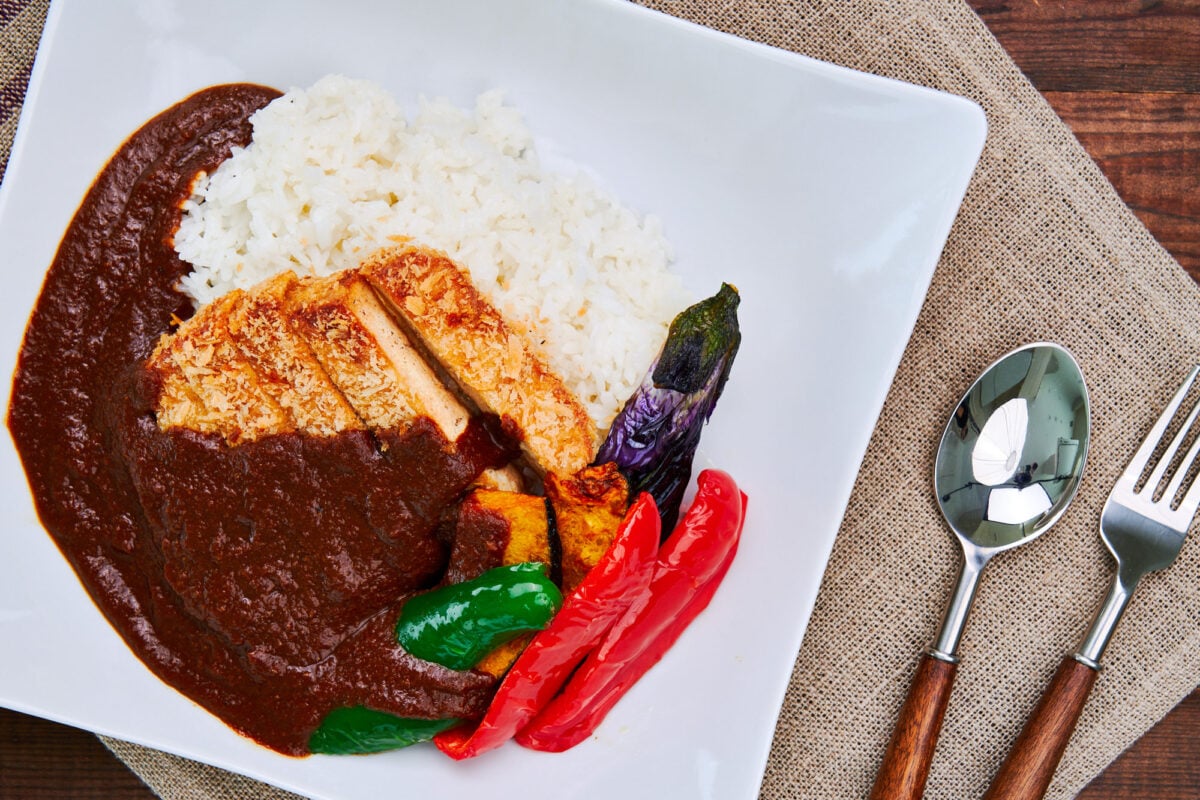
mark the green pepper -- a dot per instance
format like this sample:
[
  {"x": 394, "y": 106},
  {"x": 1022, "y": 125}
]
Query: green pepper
[
  {"x": 459, "y": 624},
  {"x": 346, "y": 731}
]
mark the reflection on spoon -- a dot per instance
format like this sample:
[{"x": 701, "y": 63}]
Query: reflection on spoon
[{"x": 994, "y": 457}]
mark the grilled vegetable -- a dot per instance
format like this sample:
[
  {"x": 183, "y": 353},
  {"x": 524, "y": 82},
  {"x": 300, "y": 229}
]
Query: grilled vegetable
[
  {"x": 691, "y": 565},
  {"x": 456, "y": 625},
  {"x": 654, "y": 438},
  {"x": 495, "y": 528},
  {"x": 621, "y": 574},
  {"x": 346, "y": 731},
  {"x": 588, "y": 509}
]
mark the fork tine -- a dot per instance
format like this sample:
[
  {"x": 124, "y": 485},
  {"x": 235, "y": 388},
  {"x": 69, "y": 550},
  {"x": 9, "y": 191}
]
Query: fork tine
[
  {"x": 1191, "y": 501},
  {"x": 1142, "y": 457},
  {"x": 1185, "y": 467},
  {"x": 1168, "y": 455}
]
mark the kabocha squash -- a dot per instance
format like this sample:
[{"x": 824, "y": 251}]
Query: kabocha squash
[
  {"x": 494, "y": 528},
  {"x": 588, "y": 508}
]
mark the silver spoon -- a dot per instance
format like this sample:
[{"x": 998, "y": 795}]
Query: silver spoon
[{"x": 1008, "y": 465}]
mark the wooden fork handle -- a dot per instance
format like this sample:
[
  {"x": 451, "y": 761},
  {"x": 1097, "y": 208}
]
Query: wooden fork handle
[
  {"x": 1026, "y": 773},
  {"x": 906, "y": 762}
]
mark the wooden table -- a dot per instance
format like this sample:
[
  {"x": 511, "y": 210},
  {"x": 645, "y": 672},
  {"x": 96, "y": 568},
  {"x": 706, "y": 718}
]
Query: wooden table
[{"x": 1125, "y": 75}]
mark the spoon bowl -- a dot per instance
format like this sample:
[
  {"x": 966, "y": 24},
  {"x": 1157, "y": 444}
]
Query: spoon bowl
[
  {"x": 1012, "y": 454},
  {"x": 1008, "y": 465}
]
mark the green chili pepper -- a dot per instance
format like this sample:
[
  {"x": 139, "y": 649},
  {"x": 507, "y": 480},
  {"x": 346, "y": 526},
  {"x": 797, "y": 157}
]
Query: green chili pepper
[
  {"x": 457, "y": 625},
  {"x": 346, "y": 731}
]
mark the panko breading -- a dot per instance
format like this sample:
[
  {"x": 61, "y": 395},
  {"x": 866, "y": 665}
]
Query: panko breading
[
  {"x": 492, "y": 363},
  {"x": 368, "y": 357},
  {"x": 203, "y": 353},
  {"x": 287, "y": 367}
]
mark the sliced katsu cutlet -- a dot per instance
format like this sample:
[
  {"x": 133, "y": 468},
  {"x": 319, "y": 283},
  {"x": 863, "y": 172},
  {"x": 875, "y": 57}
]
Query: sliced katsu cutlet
[
  {"x": 223, "y": 393},
  {"x": 492, "y": 363},
  {"x": 177, "y": 405},
  {"x": 368, "y": 357},
  {"x": 286, "y": 366}
]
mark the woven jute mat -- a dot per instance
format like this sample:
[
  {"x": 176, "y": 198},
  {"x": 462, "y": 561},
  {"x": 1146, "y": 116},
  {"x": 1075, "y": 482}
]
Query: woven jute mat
[{"x": 1042, "y": 249}]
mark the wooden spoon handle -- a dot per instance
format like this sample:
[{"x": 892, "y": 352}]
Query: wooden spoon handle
[
  {"x": 1026, "y": 773},
  {"x": 906, "y": 762}
]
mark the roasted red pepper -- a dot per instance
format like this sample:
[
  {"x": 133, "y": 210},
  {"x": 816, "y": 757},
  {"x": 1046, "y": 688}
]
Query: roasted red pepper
[
  {"x": 622, "y": 573},
  {"x": 690, "y": 567}
]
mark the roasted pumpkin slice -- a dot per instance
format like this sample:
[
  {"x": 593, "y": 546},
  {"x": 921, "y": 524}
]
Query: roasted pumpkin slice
[{"x": 588, "y": 509}]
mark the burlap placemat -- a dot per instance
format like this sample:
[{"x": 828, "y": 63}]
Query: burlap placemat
[{"x": 1043, "y": 249}]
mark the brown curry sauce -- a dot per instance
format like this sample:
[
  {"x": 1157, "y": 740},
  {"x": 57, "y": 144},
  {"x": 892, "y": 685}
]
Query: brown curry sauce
[{"x": 262, "y": 580}]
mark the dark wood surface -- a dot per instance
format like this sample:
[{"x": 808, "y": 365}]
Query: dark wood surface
[{"x": 1125, "y": 76}]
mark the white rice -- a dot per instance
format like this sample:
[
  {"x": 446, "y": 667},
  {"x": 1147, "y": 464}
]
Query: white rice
[{"x": 336, "y": 171}]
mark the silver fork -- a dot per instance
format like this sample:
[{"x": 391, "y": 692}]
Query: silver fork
[{"x": 1144, "y": 530}]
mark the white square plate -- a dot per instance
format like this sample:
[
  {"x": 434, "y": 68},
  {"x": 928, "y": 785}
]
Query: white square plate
[{"x": 825, "y": 195}]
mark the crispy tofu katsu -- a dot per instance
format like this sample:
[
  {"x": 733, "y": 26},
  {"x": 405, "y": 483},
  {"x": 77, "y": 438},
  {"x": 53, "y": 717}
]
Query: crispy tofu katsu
[
  {"x": 286, "y": 366},
  {"x": 368, "y": 357},
  {"x": 404, "y": 337},
  {"x": 491, "y": 362},
  {"x": 224, "y": 393}
]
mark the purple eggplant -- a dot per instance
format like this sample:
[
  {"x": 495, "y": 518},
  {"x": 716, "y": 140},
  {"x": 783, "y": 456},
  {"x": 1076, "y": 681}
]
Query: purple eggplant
[{"x": 653, "y": 439}]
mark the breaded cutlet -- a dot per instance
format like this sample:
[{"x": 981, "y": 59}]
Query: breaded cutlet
[
  {"x": 286, "y": 366},
  {"x": 493, "y": 364},
  {"x": 368, "y": 358},
  {"x": 219, "y": 376}
]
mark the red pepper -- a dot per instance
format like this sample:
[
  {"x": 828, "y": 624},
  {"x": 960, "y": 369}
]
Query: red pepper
[
  {"x": 691, "y": 565},
  {"x": 621, "y": 574}
]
